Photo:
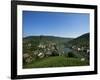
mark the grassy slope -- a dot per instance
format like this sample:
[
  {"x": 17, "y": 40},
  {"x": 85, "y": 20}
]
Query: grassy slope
[{"x": 56, "y": 61}]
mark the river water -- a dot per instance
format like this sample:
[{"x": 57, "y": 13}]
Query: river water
[{"x": 66, "y": 50}]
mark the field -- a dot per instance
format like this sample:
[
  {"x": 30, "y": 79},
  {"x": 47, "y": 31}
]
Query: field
[{"x": 56, "y": 61}]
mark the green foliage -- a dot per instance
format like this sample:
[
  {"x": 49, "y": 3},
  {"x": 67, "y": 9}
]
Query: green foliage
[
  {"x": 80, "y": 41},
  {"x": 35, "y": 40},
  {"x": 70, "y": 54},
  {"x": 55, "y": 53}
]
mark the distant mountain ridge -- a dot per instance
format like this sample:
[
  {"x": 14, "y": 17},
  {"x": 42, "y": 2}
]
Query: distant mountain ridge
[
  {"x": 82, "y": 40},
  {"x": 47, "y": 38}
]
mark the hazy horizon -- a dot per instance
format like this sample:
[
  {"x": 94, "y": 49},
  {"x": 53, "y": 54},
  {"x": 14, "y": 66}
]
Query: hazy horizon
[{"x": 54, "y": 36}]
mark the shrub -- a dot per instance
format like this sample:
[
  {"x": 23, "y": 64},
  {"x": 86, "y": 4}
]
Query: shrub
[
  {"x": 70, "y": 54},
  {"x": 55, "y": 53}
]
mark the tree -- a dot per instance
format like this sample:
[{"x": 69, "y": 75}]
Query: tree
[{"x": 70, "y": 54}]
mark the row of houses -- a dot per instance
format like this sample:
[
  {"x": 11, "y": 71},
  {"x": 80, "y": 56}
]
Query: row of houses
[{"x": 81, "y": 49}]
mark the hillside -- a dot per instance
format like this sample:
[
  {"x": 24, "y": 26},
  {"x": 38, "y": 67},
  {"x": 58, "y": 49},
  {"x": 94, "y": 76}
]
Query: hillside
[
  {"x": 80, "y": 41},
  {"x": 43, "y": 38},
  {"x": 39, "y": 50}
]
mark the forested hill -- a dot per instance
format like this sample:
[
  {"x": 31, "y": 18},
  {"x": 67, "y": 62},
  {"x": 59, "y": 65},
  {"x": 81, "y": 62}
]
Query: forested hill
[
  {"x": 44, "y": 39},
  {"x": 82, "y": 40}
]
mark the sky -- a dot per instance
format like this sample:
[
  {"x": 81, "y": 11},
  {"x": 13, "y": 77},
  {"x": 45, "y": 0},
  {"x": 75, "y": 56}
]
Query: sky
[{"x": 60, "y": 24}]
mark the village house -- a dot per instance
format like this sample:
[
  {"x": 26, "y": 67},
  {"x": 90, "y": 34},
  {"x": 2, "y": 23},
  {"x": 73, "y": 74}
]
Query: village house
[
  {"x": 27, "y": 58},
  {"x": 41, "y": 46},
  {"x": 35, "y": 52},
  {"x": 29, "y": 45},
  {"x": 26, "y": 55},
  {"x": 79, "y": 49},
  {"x": 73, "y": 47},
  {"x": 48, "y": 53},
  {"x": 82, "y": 59},
  {"x": 88, "y": 50},
  {"x": 41, "y": 55}
]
